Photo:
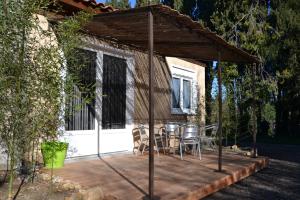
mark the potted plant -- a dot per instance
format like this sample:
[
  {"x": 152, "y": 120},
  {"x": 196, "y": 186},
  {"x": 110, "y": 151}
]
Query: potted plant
[{"x": 54, "y": 153}]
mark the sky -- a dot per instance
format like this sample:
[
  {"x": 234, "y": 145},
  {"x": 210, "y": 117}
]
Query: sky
[{"x": 132, "y": 2}]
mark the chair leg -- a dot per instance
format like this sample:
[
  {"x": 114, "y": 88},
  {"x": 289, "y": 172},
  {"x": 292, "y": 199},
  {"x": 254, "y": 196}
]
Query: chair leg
[
  {"x": 144, "y": 146},
  {"x": 162, "y": 143},
  {"x": 175, "y": 146},
  {"x": 194, "y": 151},
  {"x": 167, "y": 145},
  {"x": 138, "y": 149},
  {"x": 156, "y": 146},
  {"x": 199, "y": 148},
  {"x": 213, "y": 144},
  {"x": 135, "y": 153},
  {"x": 180, "y": 150}
]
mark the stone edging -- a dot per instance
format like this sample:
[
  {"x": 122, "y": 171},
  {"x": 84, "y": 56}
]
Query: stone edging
[{"x": 94, "y": 193}]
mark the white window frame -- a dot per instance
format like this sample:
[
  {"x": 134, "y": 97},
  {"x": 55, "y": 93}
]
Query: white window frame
[
  {"x": 183, "y": 73},
  {"x": 85, "y": 132},
  {"x": 101, "y": 49}
]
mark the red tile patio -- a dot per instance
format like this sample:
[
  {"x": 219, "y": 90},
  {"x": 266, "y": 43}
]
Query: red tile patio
[{"x": 126, "y": 176}]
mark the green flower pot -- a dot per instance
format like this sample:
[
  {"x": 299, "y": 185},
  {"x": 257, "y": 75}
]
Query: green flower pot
[{"x": 54, "y": 154}]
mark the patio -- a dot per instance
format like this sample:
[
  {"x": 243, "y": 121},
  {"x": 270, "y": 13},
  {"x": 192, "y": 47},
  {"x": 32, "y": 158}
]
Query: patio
[
  {"x": 126, "y": 176},
  {"x": 164, "y": 35}
]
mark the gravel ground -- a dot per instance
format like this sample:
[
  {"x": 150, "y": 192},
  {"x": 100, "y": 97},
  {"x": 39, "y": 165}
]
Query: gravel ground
[{"x": 281, "y": 180}]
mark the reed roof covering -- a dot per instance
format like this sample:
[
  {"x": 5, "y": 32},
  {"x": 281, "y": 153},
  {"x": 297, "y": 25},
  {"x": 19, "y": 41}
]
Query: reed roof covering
[{"x": 175, "y": 34}]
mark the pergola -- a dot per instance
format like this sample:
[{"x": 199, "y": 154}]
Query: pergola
[{"x": 162, "y": 30}]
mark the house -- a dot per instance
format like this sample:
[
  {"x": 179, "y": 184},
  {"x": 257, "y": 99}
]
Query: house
[
  {"x": 120, "y": 102},
  {"x": 120, "y": 72}
]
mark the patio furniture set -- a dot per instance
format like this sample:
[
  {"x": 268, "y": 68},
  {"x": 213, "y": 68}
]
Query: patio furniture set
[{"x": 177, "y": 137}]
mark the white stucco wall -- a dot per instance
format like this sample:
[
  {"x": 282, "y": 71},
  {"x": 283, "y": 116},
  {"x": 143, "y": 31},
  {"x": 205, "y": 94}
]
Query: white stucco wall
[{"x": 199, "y": 69}]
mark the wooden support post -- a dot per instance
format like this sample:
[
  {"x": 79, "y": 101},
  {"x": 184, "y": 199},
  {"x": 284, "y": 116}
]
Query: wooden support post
[
  {"x": 220, "y": 111},
  {"x": 151, "y": 106}
]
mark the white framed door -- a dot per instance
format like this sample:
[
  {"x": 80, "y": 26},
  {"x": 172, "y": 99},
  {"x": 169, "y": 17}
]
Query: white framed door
[
  {"x": 81, "y": 125},
  {"x": 99, "y": 139},
  {"x": 115, "y": 101}
]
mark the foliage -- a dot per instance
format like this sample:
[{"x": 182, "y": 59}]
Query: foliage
[
  {"x": 274, "y": 38},
  {"x": 283, "y": 57},
  {"x": 209, "y": 77},
  {"x": 54, "y": 146},
  {"x": 31, "y": 79},
  {"x": 196, "y": 9},
  {"x": 54, "y": 154},
  {"x": 140, "y": 3},
  {"x": 120, "y": 4},
  {"x": 175, "y": 4},
  {"x": 269, "y": 115},
  {"x": 205, "y": 9},
  {"x": 245, "y": 25}
]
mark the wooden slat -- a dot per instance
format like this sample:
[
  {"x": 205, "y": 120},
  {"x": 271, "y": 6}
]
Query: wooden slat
[
  {"x": 125, "y": 177},
  {"x": 129, "y": 27}
]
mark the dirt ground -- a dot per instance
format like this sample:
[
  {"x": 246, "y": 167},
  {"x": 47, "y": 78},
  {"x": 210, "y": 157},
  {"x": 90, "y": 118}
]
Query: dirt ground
[
  {"x": 281, "y": 180},
  {"x": 39, "y": 190}
]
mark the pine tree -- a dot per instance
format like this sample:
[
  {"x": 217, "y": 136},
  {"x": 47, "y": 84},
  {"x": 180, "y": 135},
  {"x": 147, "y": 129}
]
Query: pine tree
[
  {"x": 283, "y": 57},
  {"x": 119, "y": 4},
  {"x": 184, "y": 6},
  {"x": 140, "y": 3},
  {"x": 175, "y": 4},
  {"x": 188, "y": 7},
  {"x": 205, "y": 9},
  {"x": 113, "y": 3},
  {"x": 123, "y": 4},
  {"x": 209, "y": 77},
  {"x": 245, "y": 25}
]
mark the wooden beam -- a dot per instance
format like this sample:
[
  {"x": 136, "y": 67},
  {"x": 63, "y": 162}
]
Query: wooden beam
[
  {"x": 151, "y": 106},
  {"x": 220, "y": 111},
  {"x": 171, "y": 43}
]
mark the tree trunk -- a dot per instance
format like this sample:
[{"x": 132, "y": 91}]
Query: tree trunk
[
  {"x": 254, "y": 112},
  {"x": 11, "y": 177}
]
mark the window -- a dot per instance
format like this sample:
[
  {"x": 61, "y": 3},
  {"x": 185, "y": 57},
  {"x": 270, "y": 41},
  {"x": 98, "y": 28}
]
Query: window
[
  {"x": 176, "y": 93},
  {"x": 80, "y": 102},
  {"x": 187, "y": 94},
  {"x": 184, "y": 91},
  {"x": 114, "y": 92}
]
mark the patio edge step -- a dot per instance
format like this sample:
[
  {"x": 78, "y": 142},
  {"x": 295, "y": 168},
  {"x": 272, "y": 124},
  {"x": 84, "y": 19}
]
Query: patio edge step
[{"x": 234, "y": 177}]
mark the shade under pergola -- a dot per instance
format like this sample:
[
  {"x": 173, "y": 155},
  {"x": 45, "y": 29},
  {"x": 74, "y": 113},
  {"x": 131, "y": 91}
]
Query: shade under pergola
[
  {"x": 167, "y": 32},
  {"x": 175, "y": 34}
]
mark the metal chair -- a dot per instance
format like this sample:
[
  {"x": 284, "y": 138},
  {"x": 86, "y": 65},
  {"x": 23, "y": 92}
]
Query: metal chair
[
  {"x": 211, "y": 139},
  {"x": 159, "y": 140},
  {"x": 144, "y": 138},
  {"x": 136, "y": 140},
  {"x": 172, "y": 132},
  {"x": 190, "y": 137}
]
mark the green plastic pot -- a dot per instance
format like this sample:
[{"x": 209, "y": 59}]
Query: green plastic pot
[{"x": 54, "y": 154}]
